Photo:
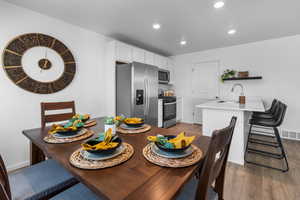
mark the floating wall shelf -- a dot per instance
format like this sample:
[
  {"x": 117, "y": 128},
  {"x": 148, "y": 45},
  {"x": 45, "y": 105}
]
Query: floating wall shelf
[{"x": 243, "y": 78}]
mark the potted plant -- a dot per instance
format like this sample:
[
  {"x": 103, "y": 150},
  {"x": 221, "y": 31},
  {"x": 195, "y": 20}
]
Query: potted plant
[
  {"x": 228, "y": 73},
  {"x": 112, "y": 122}
]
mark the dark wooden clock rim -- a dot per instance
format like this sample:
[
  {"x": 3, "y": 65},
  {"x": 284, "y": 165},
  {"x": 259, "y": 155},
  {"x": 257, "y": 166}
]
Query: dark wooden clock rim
[{"x": 12, "y": 61}]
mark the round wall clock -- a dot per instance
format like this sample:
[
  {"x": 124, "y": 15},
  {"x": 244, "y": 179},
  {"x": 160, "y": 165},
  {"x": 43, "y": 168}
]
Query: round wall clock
[{"x": 39, "y": 63}]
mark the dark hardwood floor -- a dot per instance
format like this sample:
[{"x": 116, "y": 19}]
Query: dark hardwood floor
[{"x": 256, "y": 183}]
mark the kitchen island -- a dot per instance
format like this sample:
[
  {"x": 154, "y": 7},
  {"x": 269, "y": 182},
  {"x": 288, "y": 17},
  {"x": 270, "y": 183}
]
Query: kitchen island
[{"x": 217, "y": 114}]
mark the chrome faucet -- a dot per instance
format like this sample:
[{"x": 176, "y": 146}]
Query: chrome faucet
[{"x": 240, "y": 85}]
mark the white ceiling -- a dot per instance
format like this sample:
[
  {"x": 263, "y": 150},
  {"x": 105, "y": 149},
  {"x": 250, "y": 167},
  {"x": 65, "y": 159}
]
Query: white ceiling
[{"x": 197, "y": 21}]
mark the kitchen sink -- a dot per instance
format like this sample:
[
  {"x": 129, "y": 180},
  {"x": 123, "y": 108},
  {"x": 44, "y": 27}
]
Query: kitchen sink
[{"x": 227, "y": 101}]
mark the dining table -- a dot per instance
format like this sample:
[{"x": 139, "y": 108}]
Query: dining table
[{"x": 134, "y": 179}]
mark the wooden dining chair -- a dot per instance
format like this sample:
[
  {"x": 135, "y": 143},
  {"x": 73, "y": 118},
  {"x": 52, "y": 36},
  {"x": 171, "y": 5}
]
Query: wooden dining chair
[
  {"x": 213, "y": 169},
  {"x": 40, "y": 181},
  {"x": 50, "y": 106},
  {"x": 36, "y": 154}
]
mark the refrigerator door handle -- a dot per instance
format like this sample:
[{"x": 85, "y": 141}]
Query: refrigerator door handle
[
  {"x": 148, "y": 95},
  {"x": 145, "y": 97}
]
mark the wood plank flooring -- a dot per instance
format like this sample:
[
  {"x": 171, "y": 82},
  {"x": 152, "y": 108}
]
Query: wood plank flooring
[{"x": 256, "y": 183}]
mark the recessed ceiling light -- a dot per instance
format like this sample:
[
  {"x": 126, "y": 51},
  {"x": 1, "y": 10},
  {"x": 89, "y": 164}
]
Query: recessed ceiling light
[
  {"x": 156, "y": 26},
  {"x": 183, "y": 42},
  {"x": 219, "y": 4},
  {"x": 231, "y": 31}
]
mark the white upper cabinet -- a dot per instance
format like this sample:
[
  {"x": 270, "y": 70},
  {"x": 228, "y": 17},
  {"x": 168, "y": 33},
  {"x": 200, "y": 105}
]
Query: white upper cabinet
[
  {"x": 157, "y": 60},
  {"x": 160, "y": 61},
  {"x": 127, "y": 54},
  {"x": 123, "y": 52},
  {"x": 164, "y": 62},
  {"x": 171, "y": 68},
  {"x": 149, "y": 58},
  {"x": 138, "y": 55}
]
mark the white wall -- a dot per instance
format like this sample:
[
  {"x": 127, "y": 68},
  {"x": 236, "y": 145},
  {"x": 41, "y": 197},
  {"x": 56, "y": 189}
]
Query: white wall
[
  {"x": 277, "y": 60},
  {"x": 20, "y": 109}
]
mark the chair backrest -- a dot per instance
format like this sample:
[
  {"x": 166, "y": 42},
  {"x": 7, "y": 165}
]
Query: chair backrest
[
  {"x": 281, "y": 114},
  {"x": 274, "y": 105},
  {"x": 214, "y": 166},
  {"x": 56, "y": 117},
  {"x": 5, "y": 193},
  {"x": 277, "y": 110}
]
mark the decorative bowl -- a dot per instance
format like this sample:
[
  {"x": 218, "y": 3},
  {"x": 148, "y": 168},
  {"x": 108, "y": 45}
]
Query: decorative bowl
[
  {"x": 130, "y": 124},
  {"x": 163, "y": 148},
  {"x": 106, "y": 151},
  {"x": 70, "y": 132}
]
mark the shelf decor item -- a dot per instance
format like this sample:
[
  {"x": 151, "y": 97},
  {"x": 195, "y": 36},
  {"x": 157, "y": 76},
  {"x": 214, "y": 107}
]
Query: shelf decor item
[
  {"x": 243, "y": 74},
  {"x": 228, "y": 73}
]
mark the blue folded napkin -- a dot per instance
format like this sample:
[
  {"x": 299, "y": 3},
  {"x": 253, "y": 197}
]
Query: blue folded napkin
[{"x": 100, "y": 137}]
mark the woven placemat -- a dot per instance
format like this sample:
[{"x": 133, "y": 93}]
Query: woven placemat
[
  {"x": 53, "y": 140},
  {"x": 77, "y": 160},
  {"x": 146, "y": 127},
  {"x": 173, "y": 162}
]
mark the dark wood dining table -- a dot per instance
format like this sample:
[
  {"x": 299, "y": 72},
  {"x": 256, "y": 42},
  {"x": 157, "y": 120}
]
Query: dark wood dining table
[{"x": 135, "y": 179}]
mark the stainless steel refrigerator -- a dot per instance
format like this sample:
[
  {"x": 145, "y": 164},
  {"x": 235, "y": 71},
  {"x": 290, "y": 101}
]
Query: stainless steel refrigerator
[{"x": 137, "y": 91}]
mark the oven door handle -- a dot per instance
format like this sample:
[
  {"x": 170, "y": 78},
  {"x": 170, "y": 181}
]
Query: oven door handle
[{"x": 170, "y": 103}]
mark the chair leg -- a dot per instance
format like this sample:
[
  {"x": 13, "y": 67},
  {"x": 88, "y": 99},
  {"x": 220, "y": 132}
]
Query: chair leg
[
  {"x": 282, "y": 149},
  {"x": 247, "y": 145}
]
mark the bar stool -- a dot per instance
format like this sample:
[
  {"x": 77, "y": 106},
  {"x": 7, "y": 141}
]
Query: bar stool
[
  {"x": 271, "y": 125},
  {"x": 264, "y": 131},
  {"x": 268, "y": 114}
]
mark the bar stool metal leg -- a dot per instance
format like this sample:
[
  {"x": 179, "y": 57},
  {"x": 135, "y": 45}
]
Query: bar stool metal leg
[{"x": 282, "y": 155}]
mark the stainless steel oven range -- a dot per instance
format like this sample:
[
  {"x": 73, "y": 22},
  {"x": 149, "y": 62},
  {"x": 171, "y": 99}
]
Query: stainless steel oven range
[{"x": 169, "y": 111}]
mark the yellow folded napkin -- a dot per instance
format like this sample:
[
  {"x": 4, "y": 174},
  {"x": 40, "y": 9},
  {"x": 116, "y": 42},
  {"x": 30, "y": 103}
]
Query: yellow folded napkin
[
  {"x": 178, "y": 142},
  {"x": 58, "y": 128},
  {"x": 181, "y": 140},
  {"x": 104, "y": 145}
]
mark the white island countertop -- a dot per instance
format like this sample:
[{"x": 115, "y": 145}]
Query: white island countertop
[{"x": 252, "y": 105}]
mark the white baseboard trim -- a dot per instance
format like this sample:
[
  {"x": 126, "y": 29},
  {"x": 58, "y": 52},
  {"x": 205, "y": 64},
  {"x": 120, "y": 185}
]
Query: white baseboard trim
[
  {"x": 187, "y": 121},
  {"x": 18, "y": 166}
]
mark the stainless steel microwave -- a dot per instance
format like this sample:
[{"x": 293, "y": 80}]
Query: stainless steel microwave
[{"x": 163, "y": 76}]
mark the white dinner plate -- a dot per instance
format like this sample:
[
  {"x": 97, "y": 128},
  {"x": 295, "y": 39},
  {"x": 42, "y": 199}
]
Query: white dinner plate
[
  {"x": 124, "y": 126},
  {"x": 166, "y": 154},
  {"x": 70, "y": 135},
  {"x": 102, "y": 156}
]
